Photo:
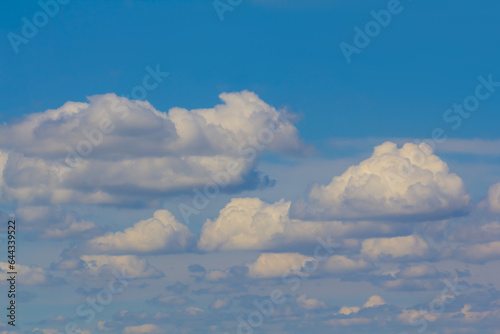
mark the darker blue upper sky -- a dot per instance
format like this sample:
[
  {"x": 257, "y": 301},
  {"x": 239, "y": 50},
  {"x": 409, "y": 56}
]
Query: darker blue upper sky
[{"x": 426, "y": 59}]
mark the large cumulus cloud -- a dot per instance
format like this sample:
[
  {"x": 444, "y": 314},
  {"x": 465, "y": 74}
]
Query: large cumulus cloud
[
  {"x": 252, "y": 224},
  {"x": 394, "y": 183},
  {"x": 162, "y": 233},
  {"x": 112, "y": 150}
]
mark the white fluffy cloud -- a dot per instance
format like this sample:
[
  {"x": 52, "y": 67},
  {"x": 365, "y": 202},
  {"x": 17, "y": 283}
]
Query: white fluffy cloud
[
  {"x": 244, "y": 223},
  {"x": 371, "y": 302},
  {"x": 346, "y": 310},
  {"x": 215, "y": 275},
  {"x": 270, "y": 265},
  {"x": 128, "y": 265},
  {"x": 310, "y": 303},
  {"x": 409, "y": 182},
  {"x": 28, "y": 275},
  {"x": 374, "y": 301},
  {"x": 220, "y": 303},
  {"x": 465, "y": 316},
  {"x": 339, "y": 264},
  {"x": 418, "y": 271},
  {"x": 411, "y": 246},
  {"x": 481, "y": 252},
  {"x": 494, "y": 198},
  {"x": 252, "y": 224},
  {"x": 117, "y": 151},
  {"x": 162, "y": 233}
]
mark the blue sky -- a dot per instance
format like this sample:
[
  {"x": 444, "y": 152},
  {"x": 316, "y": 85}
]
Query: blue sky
[
  {"x": 270, "y": 65},
  {"x": 419, "y": 65}
]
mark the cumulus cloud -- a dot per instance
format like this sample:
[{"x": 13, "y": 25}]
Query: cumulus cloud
[
  {"x": 215, "y": 275},
  {"x": 346, "y": 310},
  {"x": 408, "y": 247},
  {"x": 481, "y": 252},
  {"x": 220, "y": 303},
  {"x": 310, "y": 303},
  {"x": 252, "y": 224},
  {"x": 403, "y": 284},
  {"x": 162, "y": 233},
  {"x": 339, "y": 265},
  {"x": 409, "y": 182},
  {"x": 269, "y": 265},
  {"x": 374, "y": 301},
  {"x": 474, "y": 316},
  {"x": 193, "y": 310},
  {"x": 30, "y": 275},
  {"x": 371, "y": 302},
  {"x": 418, "y": 271},
  {"x": 130, "y": 266},
  {"x": 112, "y": 150},
  {"x": 494, "y": 198},
  {"x": 244, "y": 223},
  {"x": 466, "y": 315}
]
